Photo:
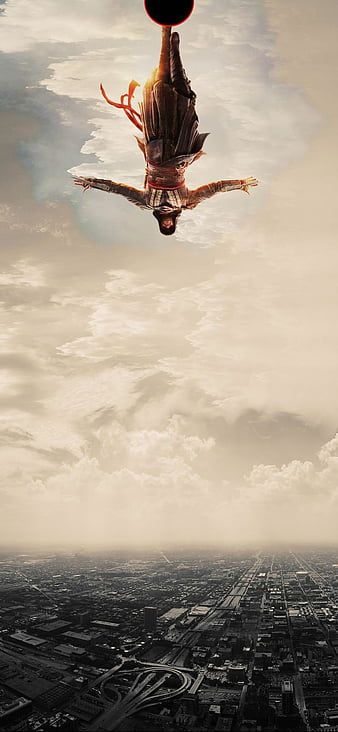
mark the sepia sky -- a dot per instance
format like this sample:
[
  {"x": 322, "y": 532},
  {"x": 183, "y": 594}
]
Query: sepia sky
[{"x": 158, "y": 390}]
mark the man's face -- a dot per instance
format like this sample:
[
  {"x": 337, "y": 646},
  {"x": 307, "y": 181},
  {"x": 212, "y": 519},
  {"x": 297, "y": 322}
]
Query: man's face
[
  {"x": 167, "y": 223},
  {"x": 166, "y": 218}
]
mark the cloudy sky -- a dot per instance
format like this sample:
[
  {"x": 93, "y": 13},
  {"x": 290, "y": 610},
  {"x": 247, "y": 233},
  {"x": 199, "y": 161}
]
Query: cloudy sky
[{"x": 181, "y": 389}]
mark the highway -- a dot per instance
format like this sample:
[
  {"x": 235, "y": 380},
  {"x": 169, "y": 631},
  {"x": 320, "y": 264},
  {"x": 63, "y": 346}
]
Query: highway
[
  {"x": 257, "y": 566},
  {"x": 322, "y": 586},
  {"x": 31, "y": 584},
  {"x": 145, "y": 691},
  {"x": 297, "y": 682},
  {"x": 316, "y": 577}
]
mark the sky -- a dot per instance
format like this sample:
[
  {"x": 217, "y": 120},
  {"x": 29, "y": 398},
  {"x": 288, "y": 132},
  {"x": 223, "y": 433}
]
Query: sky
[{"x": 161, "y": 390}]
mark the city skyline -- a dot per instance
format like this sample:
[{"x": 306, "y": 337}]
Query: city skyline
[{"x": 226, "y": 641}]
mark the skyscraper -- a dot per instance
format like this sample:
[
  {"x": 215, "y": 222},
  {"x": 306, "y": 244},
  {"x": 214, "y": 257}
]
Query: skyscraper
[
  {"x": 287, "y": 697},
  {"x": 150, "y": 619}
]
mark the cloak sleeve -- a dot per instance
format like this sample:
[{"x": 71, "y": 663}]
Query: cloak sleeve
[
  {"x": 210, "y": 189},
  {"x": 134, "y": 195}
]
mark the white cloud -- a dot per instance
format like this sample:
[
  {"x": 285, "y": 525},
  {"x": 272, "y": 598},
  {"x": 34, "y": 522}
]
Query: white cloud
[
  {"x": 23, "y": 274},
  {"x": 25, "y": 24},
  {"x": 127, "y": 368},
  {"x": 297, "y": 501},
  {"x": 6, "y": 213},
  {"x": 83, "y": 394},
  {"x": 124, "y": 492},
  {"x": 147, "y": 485}
]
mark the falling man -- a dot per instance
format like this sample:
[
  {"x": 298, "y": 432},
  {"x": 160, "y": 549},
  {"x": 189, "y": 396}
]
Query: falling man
[{"x": 170, "y": 142}]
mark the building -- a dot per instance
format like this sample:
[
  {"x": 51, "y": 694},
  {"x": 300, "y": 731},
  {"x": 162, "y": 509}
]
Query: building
[
  {"x": 27, "y": 640},
  {"x": 174, "y": 614},
  {"x": 200, "y": 610},
  {"x": 287, "y": 697},
  {"x": 84, "y": 618},
  {"x": 66, "y": 649},
  {"x": 14, "y": 710},
  {"x": 237, "y": 672},
  {"x": 105, "y": 625},
  {"x": 53, "y": 628},
  {"x": 81, "y": 639},
  {"x": 150, "y": 619}
]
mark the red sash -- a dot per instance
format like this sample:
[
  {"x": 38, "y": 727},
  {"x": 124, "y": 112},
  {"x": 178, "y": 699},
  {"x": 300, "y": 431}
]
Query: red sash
[{"x": 128, "y": 109}]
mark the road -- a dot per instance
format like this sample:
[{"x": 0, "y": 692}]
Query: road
[
  {"x": 146, "y": 688},
  {"x": 144, "y": 692}
]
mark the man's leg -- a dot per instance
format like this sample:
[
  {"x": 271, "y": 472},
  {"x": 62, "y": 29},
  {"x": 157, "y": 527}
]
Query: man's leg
[
  {"x": 163, "y": 71},
  {"x": 178, "y": 76}
]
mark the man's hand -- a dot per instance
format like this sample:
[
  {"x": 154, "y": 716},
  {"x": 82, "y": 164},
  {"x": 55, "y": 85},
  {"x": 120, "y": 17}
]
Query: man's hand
[
  {"x": 86, "y": 183},
  {"x": 247, "y": 182}
]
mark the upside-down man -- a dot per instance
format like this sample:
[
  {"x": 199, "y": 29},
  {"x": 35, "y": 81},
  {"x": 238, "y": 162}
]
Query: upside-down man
[{"x": 170, "y": 142}]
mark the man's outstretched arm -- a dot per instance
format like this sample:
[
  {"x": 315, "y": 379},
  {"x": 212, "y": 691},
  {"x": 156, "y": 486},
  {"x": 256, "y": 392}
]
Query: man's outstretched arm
[
  {"x": 134, "y": 195},
  {"x": 221, "y": 186}
]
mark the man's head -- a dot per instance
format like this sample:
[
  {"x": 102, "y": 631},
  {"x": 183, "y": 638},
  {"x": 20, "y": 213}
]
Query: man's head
[{"x": 167, "y": 220}]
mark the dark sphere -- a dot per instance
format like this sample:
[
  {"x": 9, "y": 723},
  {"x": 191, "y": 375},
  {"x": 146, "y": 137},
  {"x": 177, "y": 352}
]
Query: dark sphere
[{"x": 169, "y": 12}]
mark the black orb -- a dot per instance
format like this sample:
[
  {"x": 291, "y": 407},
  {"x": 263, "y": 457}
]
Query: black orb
[{"x": 169, "y": 12}]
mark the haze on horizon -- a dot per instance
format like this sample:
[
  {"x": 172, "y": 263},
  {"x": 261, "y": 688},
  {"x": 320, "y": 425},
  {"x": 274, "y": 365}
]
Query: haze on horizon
[
  {"x": 178, "y": 392},
  {"x": 162, "y": 552}
]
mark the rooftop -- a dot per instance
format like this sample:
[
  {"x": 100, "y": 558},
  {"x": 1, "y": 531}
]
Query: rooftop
[
  {"x": 174, "y": 613},
  {"x": 84, "y": 637},
  {"x": 200, "y": 610},
  {"x": 66, "y": 649},
  {"x": 53, "y": 626},
  {"x": 31, "y": 640}
]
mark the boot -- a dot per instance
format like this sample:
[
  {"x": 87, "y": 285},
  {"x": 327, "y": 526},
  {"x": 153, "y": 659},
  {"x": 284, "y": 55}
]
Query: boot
[
  {"x": 178, "y": 76},
  {"x": 163, "y": 73}
]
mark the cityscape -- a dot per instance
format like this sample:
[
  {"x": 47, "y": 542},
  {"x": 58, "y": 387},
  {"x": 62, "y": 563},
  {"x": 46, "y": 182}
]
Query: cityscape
[
  {"x": 224, "y": 640},
  {"x": 168, "y": 366}
]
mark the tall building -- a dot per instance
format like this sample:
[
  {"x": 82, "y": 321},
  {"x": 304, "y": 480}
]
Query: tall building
[
  {"x": 84, "y": 618},
  {"x": 150, "y": 619},
  {"x": 287, "y": 697}
]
